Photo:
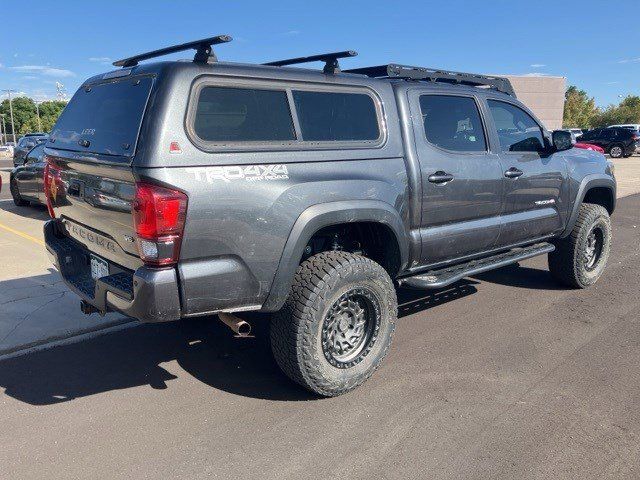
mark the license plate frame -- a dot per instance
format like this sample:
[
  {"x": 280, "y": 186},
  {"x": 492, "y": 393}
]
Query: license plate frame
[{"x": 99, "y": 267}]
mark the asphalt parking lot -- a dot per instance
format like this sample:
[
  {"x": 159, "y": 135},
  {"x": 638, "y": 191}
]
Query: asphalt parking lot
[{"x": 504, "y": 375}]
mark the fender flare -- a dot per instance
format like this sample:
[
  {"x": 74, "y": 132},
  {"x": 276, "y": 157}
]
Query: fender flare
[
  {"x": 587, "y": 183},
  {"x": 324, "y": 215}
]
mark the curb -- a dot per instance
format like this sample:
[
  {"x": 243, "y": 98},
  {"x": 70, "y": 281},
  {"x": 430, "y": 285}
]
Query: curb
[{"x": 74, "y": 337}]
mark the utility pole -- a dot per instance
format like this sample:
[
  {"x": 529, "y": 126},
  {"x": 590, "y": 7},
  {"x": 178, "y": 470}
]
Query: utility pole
[
  {"x": 13, "y": 127},
  {"x": 37, "y": 102}
]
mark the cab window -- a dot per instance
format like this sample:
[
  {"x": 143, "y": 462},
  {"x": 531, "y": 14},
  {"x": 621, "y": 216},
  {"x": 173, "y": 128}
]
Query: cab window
[{"x": 517, "y": 130}]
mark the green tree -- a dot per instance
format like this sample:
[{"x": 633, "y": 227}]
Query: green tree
[
  {"x": 579, "y": 109},
  {"x": 25, "y": 116},
  {"x": 627, "y": 111}
]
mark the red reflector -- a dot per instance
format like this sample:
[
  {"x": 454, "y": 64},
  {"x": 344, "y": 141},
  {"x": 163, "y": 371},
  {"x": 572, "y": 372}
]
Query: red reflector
[
  {"x": 158, "y": 217},
  {"x": 174, "y": 147}
]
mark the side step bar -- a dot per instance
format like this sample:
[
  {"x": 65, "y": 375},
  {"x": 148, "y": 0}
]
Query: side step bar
[{"x": 446, "y": 276}]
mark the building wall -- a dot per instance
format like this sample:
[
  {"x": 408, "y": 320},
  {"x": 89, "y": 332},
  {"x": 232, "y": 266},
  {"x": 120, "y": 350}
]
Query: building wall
[{"x": 543, "y": 95}]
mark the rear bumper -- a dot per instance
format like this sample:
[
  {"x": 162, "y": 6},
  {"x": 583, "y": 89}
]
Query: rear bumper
[{"x": 146, "y": 294}]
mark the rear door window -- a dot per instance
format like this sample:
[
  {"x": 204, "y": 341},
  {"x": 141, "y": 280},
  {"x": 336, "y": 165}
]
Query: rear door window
[
  {"x": 336, "y": 116},
  {"x": 452, "y": 123},
  {"x": 517, "y": 130},
  {"x": 225, "y": 114}
]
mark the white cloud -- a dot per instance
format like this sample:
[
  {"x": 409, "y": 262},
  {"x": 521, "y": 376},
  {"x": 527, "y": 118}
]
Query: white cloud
[
  {"x": 30, "y": 77},
  {"x": 44, "y": 70},
  {"x": 100, "y": 59},
  {"x": 537, "y": 65},
  {"x": 14, "y": 94},
  {"x": 1, "y": 65},
  {"x": 613, "y": 83},
  {"x": 292, "y": 32},
  {"x": 536, "y": 74},
  {"x": 630, "y": 60}
]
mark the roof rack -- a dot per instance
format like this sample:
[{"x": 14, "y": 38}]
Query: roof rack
[
  {"x": 203, "y": 48},
  {"x": 331, "y": 60},
  {"x": 421, "y": 73}
]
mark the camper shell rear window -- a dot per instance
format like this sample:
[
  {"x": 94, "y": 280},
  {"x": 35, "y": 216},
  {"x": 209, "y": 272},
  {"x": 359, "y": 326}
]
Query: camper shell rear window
[{"x": 103, "y": 118}]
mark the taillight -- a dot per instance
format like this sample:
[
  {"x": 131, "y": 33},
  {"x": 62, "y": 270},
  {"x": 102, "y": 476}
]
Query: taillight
[
  {"x": 158, "y": 217},
  {"x": 52, "y": 184},
  {"x": 635, "y": 137}
]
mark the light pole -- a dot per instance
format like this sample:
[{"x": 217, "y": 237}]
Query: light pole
[
  {"x": 4, "y": 128},
  {"x": 3, "y": 138},
  {"x": 13, "y": 127},
  {"x": 37, "y": 102}
]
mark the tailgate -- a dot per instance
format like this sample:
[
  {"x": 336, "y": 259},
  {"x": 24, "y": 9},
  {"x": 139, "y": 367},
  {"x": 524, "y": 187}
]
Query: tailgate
[{"x": 94, "y": 203}]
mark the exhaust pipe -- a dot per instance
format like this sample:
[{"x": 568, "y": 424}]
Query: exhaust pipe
[{"x": 242, "y": 328}]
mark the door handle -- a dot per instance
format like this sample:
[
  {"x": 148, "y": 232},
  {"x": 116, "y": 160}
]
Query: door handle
[
  {"x": 440, "y": 177},
  {"x": 513, "y": 172}
]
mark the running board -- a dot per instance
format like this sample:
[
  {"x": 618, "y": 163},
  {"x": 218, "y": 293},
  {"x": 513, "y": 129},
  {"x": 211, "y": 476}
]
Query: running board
[{"x": 448, "y": 275}]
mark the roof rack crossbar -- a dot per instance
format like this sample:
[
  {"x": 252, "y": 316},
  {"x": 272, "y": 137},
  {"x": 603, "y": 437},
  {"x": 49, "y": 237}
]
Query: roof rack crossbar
[
  {"x": 422, "y": 73},
  {"x": 203, "y": 48},
  {"x": 331, "y": 60}
]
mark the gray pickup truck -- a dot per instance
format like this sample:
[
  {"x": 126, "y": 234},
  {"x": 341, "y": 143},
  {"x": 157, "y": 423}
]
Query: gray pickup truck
[{"x": 179, "y": 189}]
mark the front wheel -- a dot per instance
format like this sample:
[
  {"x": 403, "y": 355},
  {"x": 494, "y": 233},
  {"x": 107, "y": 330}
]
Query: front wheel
[
  {"x": 337, "y": 323},
  {"x": 579, "y": 259}
]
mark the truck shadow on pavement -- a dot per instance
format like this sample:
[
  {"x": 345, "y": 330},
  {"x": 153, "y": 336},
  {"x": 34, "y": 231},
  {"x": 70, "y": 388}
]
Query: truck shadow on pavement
[
  {"x": 36, "y": 211},
  {"x": 517, "y": 275},
  {"x": 204, "y": 348}
]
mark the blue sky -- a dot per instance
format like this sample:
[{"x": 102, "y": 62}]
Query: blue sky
[{"x": 69, "y": 41}]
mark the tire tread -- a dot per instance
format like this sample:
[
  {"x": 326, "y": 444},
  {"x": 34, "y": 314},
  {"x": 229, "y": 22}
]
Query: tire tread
[{"x": 291, "y": 326}]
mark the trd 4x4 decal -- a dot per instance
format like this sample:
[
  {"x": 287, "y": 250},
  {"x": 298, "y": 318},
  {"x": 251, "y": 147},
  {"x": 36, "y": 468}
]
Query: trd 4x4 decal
[{"x": 248, "y": 173}]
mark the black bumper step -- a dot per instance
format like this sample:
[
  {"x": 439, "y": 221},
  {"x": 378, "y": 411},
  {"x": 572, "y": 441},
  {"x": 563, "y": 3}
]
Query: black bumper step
[{"x": 446, "y": 276}]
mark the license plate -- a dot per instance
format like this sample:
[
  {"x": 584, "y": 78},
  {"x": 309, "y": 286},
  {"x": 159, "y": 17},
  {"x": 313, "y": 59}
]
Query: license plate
[{"x": 99, "y": 268}]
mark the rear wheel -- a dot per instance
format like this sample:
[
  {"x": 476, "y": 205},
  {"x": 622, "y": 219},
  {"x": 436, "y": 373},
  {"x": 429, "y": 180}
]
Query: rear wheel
[
  {"x": 616, "y": 151},
  {"x": 15, "y": 193},
  {"x": 579, "y": 259},
  {"x": 337, "y": 323}
]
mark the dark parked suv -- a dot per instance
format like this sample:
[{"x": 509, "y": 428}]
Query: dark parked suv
[
  {"x": 181, "y": 189},
  {"x": 616, "y": 141},
  {"x": 26, "y": 180}
]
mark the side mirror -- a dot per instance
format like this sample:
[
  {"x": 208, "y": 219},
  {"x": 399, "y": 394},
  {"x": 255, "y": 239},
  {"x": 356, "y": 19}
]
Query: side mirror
[{"x": 563, "y": 140}]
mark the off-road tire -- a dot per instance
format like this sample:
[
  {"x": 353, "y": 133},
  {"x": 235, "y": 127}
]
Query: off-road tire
[
  {"x": 616, "y": 151},
  {"x": 297, "y": 329},
  {"x": 15, "y": 193},
  {"x": 568, "y": 263}
]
